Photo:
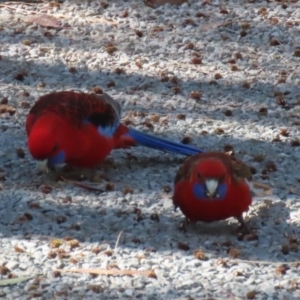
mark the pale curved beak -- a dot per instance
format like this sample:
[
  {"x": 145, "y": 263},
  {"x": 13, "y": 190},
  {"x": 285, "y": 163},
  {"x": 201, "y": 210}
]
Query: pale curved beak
[
  {"x": 211, "y": 186},
  {"x": 42, "y": 165}
]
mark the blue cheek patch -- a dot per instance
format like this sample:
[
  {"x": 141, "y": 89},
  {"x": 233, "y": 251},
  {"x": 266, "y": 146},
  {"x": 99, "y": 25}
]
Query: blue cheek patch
[
  {"x": 108, "y": 130},
  {"x": 58, "y": 159},
  {"x": 199, "y": 191},
  {"x": 221, "y": 191}
]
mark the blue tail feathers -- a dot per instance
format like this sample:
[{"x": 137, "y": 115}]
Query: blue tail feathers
[{"x": 155, "y": 142}]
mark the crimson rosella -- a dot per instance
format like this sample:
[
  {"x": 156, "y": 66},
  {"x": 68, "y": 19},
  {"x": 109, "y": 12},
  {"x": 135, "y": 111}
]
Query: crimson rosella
[
  {"x": 81, "y": 129},
  {"x": 213, "y": 186}
]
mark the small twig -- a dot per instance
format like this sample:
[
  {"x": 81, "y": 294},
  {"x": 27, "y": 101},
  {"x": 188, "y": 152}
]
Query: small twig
[
  {"x": 267, "y": 190},
  {"x": 293, "y": 191},
  {"x": 118, "y": 240},
  {"x": 15, "y": 8},
  {"x": 81, "y": 185},
  {"x": 263, "y": 262},
  {"x": 101, "y": 20},
  {"x": 259, "y": 185},
  {"x": 13, "y": 184},
  {"x": 25, "y": 2},
  {"x": 89, "y": 188},
  {"x": 107, "y": 272}
]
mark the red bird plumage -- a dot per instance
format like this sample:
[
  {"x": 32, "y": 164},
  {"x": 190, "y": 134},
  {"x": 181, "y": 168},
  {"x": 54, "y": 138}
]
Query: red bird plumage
[
  {"x": 82, "y": 129},
  {"x": 213, "y": 186}
]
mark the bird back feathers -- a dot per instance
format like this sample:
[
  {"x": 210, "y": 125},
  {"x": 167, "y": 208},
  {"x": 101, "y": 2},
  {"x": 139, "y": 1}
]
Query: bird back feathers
[
  {"x": 99, "y": 109},
  {"x": 236, "y": 167}
]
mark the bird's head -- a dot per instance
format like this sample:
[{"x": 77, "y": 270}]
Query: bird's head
[
  {"x": 210, "y": 180},
  {"x": 45, "y": 148}
]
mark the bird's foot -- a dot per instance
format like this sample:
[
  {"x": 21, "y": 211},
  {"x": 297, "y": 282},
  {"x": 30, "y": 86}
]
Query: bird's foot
[
  {"x": 184, "y": 224},
  {"x": 246, "y": 228},
  {"x": 73, "y": 174},
  {"x": 246, "y": 233}
]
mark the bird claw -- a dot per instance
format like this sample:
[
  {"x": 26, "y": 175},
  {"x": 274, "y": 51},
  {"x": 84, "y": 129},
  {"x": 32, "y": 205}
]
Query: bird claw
[
  {"x": 244, "y": 224},
  {"x": 183, "y": 225},
  {"x": 73, "y": 173}
]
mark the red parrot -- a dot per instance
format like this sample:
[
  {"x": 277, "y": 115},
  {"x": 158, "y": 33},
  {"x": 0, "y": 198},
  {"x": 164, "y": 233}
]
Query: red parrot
[
  {"x": 213, "y": 186},
  {"x": 81, "y": 130}
]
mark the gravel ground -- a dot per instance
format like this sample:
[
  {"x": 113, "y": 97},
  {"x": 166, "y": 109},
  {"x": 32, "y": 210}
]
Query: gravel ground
[{"x": 220, "y": 73}]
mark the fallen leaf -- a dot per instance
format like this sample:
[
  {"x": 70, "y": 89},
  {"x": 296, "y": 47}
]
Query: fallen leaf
[
  {"x": 45, "y": 21},
  {"x": 102, "y": 20},
  {"x": 13, "y": 281},
  {"x": 215, "y": 25},
  {"x": 4, "y": 108}
]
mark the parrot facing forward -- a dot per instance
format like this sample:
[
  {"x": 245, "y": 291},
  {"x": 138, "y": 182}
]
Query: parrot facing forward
[
  {"x": 81, "y": 130},
  {"x": 213, "y": 186}
]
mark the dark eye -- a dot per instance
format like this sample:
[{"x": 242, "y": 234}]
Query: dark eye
[
  {"x": 199, "y": 176},
  {"x": 222, "y": 179}
]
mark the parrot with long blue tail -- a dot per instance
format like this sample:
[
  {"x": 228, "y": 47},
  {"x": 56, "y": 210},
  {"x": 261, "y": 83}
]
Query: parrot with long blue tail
[{"x": 81, "y": 130}]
